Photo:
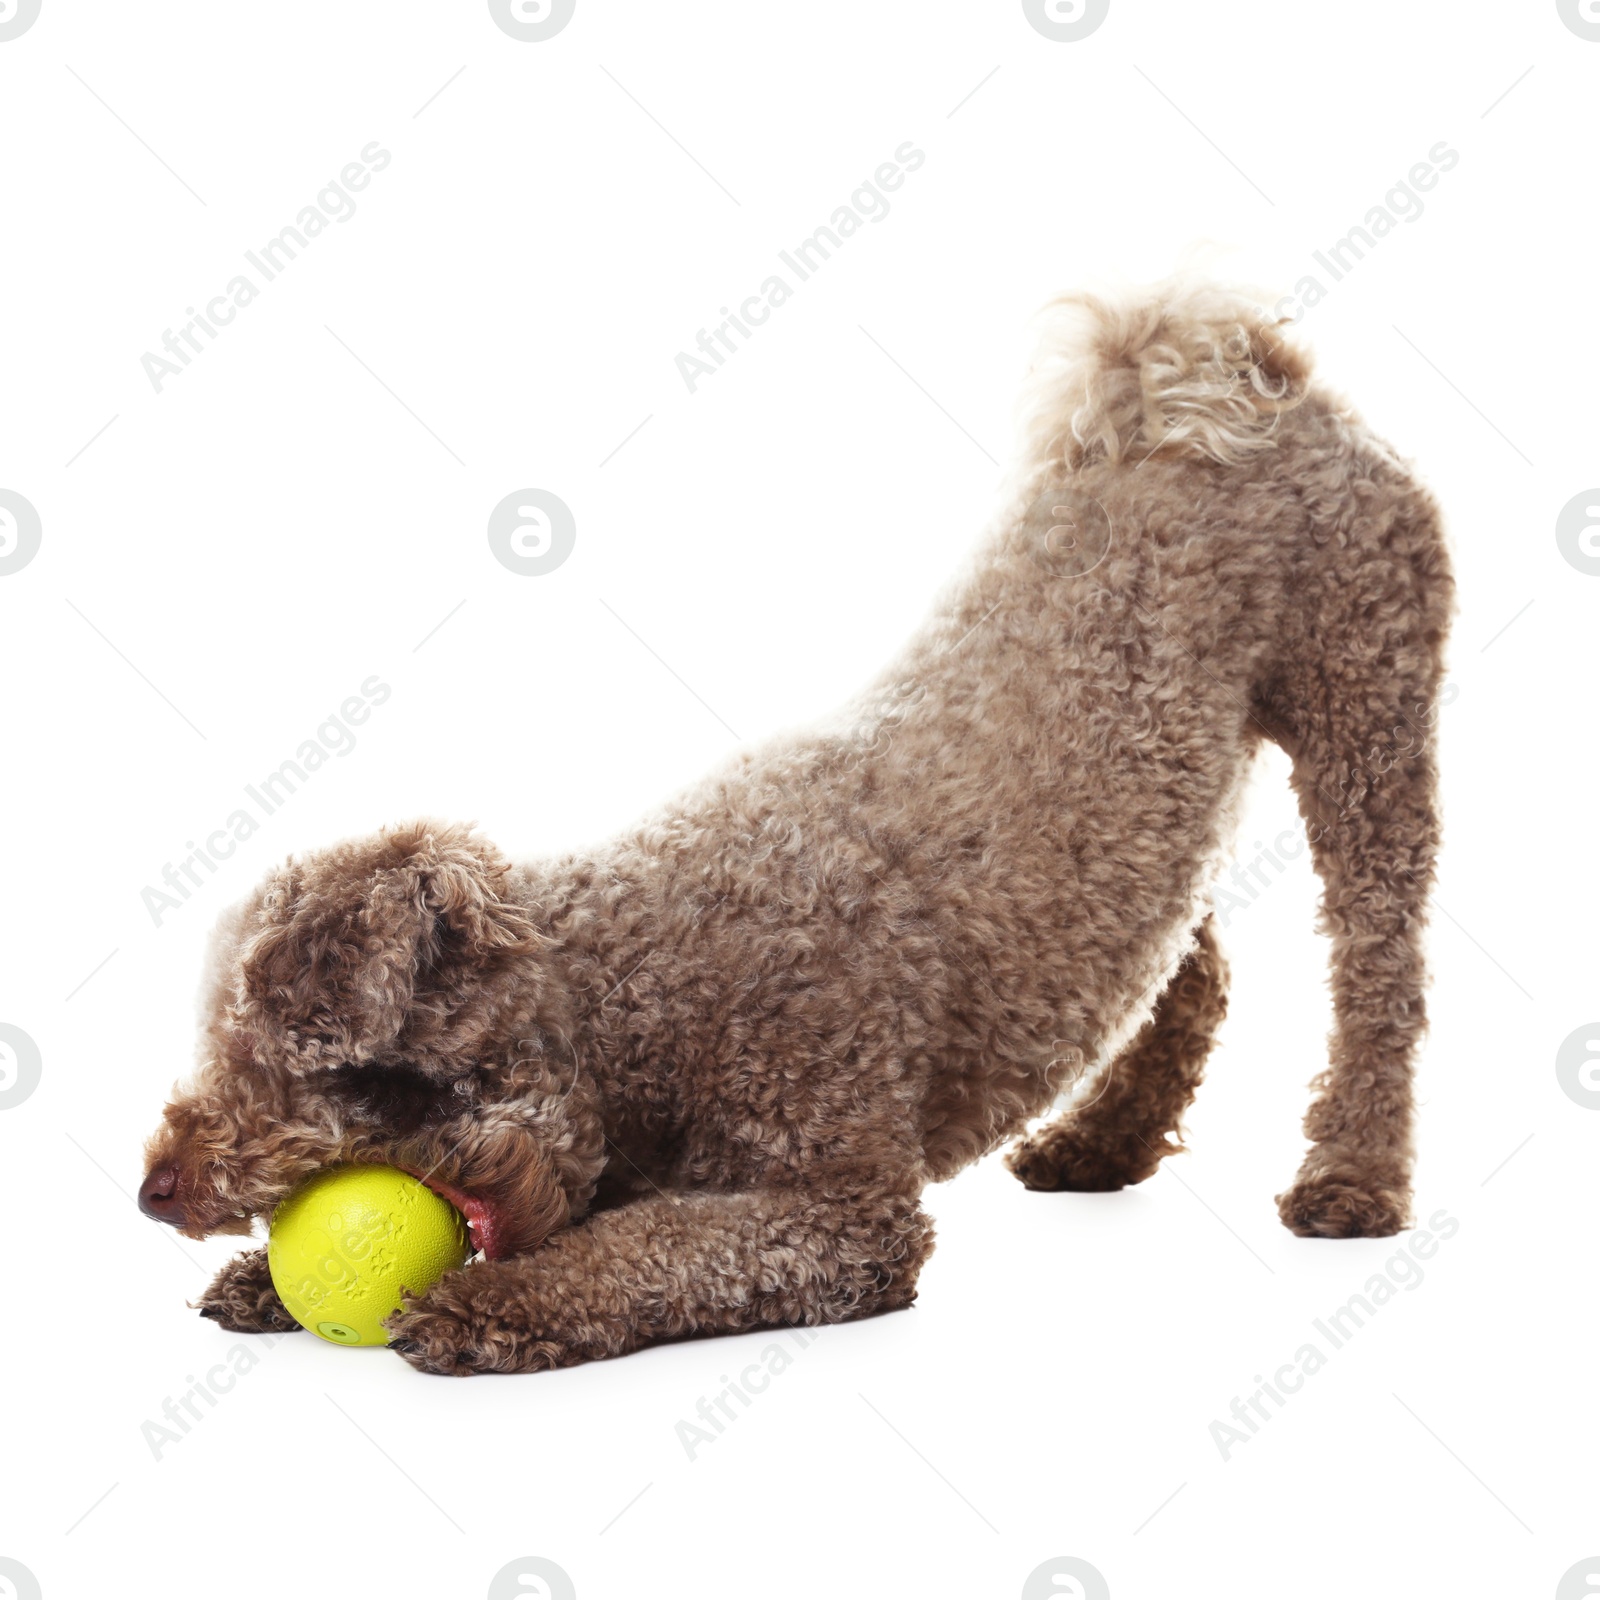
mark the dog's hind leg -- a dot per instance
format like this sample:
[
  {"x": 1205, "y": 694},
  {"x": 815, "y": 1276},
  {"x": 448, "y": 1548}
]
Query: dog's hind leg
[
  {"x": 1373, "y": 837},
  {"x": 1118, "y": 1133},
  {"x": 1355, "y": 709}
]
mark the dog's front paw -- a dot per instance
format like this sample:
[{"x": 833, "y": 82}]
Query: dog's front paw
[
  {"x": 466, "y": 1324},
  {"x": 242, "y": 1299},
  {"x": 1340, "y": 1203}
]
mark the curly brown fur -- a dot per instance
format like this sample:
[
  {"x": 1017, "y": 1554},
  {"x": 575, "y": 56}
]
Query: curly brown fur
[
  {"x": 673, "y": 1265},
  {"x": 695, "y": 1080}
]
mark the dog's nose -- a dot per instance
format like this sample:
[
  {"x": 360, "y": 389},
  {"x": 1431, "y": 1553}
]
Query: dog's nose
[{"x": 158, "y": 1196}]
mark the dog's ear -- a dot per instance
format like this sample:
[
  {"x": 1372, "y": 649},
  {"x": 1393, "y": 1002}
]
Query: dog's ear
[{"x": 351, "y": 951}]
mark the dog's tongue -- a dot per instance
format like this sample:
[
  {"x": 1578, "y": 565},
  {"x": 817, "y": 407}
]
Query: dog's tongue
[{"x": 481, "y": 1220}]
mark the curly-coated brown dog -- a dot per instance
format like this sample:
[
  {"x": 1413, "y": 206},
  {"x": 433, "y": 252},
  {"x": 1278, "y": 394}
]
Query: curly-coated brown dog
[{"x": 695, "y": 1081}]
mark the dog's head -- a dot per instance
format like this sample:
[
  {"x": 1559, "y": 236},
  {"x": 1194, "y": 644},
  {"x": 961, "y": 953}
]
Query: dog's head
[{"x": 389, "y": 1001}]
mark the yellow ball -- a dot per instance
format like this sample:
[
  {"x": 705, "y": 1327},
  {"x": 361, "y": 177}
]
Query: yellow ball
[{"x": 350, "y": 1242}]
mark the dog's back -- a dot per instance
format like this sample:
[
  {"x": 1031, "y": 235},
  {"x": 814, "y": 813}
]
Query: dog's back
[{"x": 999, "y": 855}]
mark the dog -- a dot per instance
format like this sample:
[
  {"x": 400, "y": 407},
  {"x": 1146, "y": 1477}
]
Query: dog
[{"x": 696, "y": 1080}]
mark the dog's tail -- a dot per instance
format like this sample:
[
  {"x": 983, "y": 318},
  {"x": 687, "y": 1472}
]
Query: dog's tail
[{"x": 1185, "y": 370}]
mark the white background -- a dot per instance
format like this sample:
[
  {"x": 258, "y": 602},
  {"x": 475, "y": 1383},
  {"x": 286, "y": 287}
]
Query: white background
[{"x": 230, "y": 558}]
